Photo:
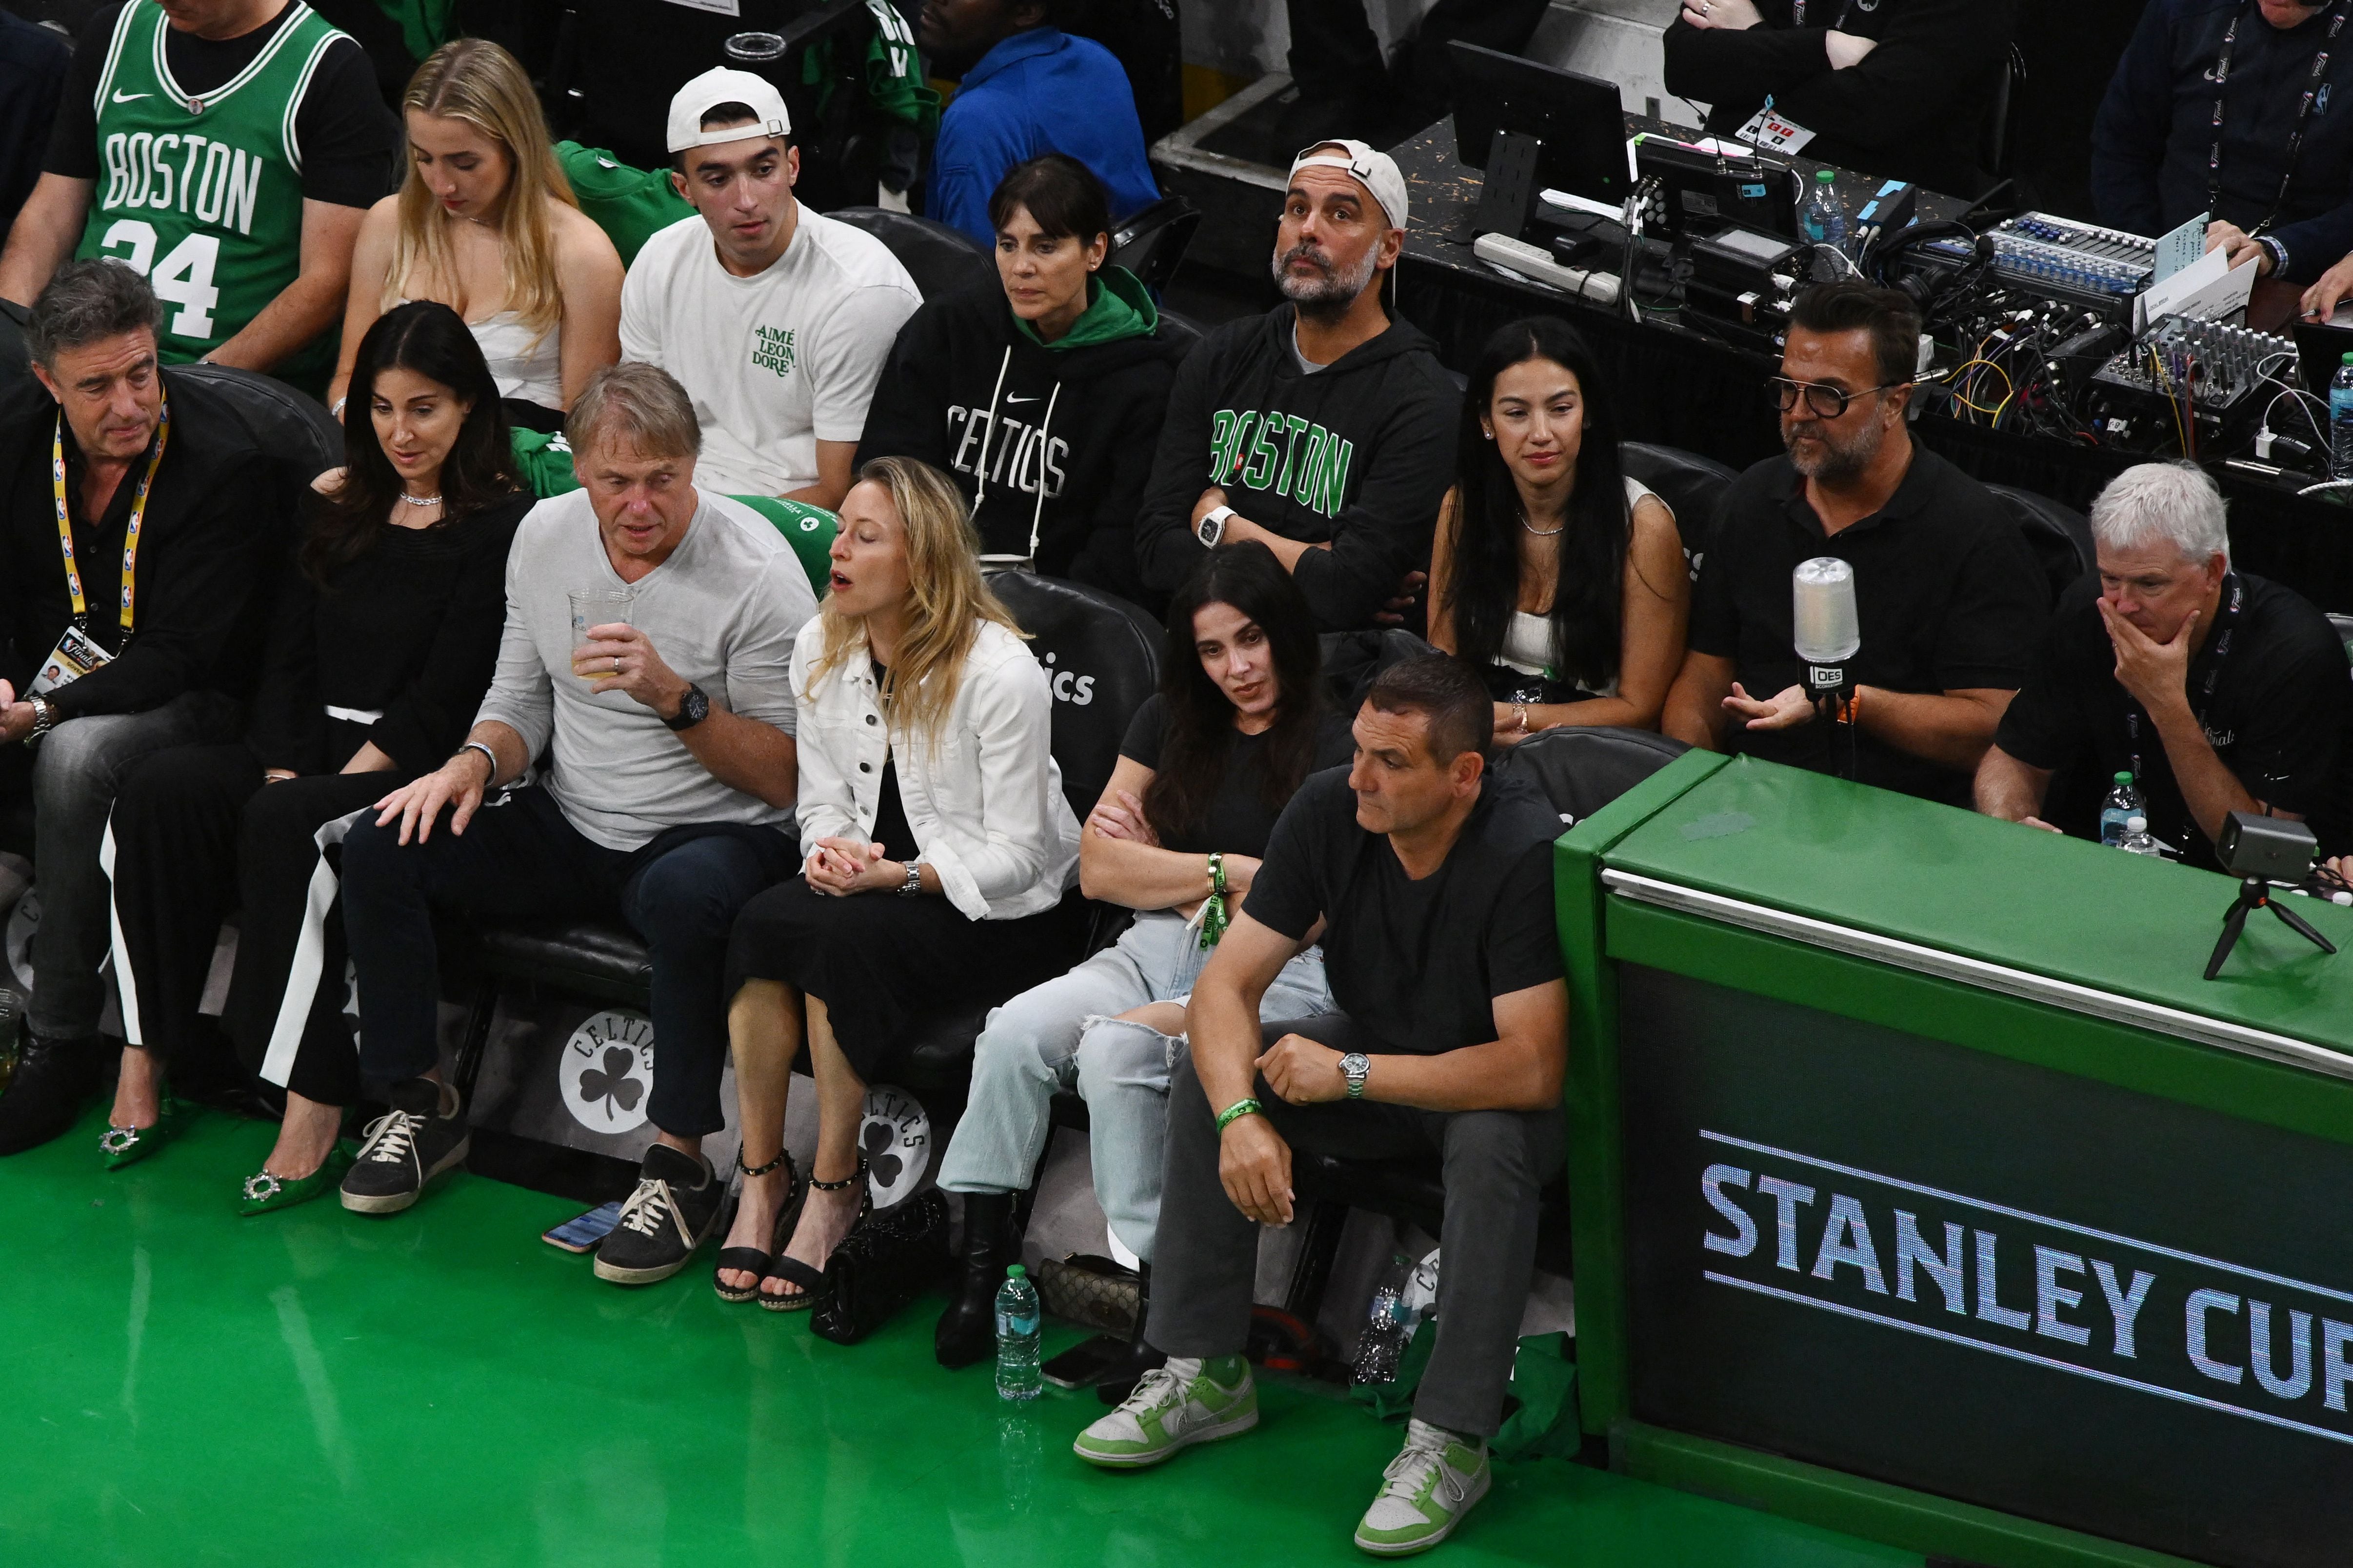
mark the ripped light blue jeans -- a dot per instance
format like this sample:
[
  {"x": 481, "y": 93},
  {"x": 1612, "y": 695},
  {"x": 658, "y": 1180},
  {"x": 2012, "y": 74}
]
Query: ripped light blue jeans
[{"x": 1067, "y": 1033}]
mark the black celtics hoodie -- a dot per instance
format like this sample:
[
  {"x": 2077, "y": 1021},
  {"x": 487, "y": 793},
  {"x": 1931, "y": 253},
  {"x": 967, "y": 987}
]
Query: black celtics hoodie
[
  {"x": 1051, "y": 443},
  {"x": 1357, "y": 454}
]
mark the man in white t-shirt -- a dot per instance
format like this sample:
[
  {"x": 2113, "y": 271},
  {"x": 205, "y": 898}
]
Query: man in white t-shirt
[{"x": 775, "y": 319}]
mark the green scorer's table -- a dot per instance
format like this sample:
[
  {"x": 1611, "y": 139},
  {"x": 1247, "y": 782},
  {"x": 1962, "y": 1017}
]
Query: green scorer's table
[{"x": 1924, "y": 1191}]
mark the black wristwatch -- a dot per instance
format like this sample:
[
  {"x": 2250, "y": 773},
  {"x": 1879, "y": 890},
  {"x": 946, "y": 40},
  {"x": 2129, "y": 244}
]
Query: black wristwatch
[{"x": 692, "y": 708}]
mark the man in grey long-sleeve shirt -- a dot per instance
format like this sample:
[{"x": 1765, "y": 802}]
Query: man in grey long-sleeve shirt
[{"x": 668, "y": 801}]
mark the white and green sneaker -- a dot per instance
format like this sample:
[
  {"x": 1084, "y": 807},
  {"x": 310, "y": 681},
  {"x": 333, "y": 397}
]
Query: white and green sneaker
[
  {"x": 1175, "y": 1406},
  {"x": 1425, "y": 1492}
]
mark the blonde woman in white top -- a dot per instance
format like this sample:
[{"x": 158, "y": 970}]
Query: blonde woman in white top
[
  {"x": 1556, "y": 575},
  {"x": 486, "y": 224},
  {"x": 936, "y": 850}
]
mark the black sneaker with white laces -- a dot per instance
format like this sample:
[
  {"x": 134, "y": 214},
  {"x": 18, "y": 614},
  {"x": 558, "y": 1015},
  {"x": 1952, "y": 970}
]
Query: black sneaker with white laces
[
  {"x": 406, "y": 1147},
  {"x": 672, "y": 1213}
]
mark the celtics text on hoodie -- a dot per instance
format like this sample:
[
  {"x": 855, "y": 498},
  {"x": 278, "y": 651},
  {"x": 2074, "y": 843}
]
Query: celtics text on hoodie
[
  {"x": 1356, "y": 455},
  {"x": 1051, "y": 442}
]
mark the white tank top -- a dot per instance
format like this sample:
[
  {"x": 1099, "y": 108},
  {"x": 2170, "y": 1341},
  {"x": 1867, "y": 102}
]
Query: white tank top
[
  {"x": 532, "y": 372},
  {"x": 1527, "y": 641}
]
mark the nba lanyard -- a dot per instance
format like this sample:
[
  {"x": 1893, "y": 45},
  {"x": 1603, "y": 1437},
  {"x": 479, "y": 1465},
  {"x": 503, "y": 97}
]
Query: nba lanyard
[
  {"x": 130, "y": 532},
  {"x": 2225, "y": 625},
  {"x": 2315, "y": 83}
]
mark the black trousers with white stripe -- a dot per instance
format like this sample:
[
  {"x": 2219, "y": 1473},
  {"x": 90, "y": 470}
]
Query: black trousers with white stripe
[{"x": 196, "y": 834}]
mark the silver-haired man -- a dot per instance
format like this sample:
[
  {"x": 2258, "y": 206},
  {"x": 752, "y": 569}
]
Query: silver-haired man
[
  {"x": 2218, "y": 691},
  {"x": 668, "y": 716}
]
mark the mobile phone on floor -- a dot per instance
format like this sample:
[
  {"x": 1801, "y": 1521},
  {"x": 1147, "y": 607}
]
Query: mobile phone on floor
[{"x": 583, "y": 1232}]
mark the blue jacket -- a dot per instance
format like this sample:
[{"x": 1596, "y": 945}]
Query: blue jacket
[
  {"x": 2155, "y": 130},
  {"x": 1039, "y": 91}
]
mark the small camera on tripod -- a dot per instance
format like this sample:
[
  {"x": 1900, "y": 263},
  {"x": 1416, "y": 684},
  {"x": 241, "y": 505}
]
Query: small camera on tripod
[{"x": 2260, "y": 851}]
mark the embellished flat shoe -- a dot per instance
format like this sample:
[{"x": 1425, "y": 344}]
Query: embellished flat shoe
[
  {"x": 264, "y": 1191},
  {"x": 128, "y": 1145}
]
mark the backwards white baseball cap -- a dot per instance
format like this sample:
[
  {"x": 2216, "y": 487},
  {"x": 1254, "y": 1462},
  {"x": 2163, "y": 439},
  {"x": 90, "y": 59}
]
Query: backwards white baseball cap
[
  {"x": 720, "y": 85},
  {"x": 1376, "y": 171}
]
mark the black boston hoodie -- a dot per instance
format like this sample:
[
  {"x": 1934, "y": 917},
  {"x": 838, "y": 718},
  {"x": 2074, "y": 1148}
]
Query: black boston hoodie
[
  {"x": 1357, "y": 455},
  {"x": 1052, "y": 445}
]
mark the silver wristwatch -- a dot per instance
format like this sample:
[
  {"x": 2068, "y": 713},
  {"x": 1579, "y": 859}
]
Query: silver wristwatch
[
  {"x": 914, "y": 883},
  {"x": 44, "y": 718},
  {"x": 1354, "y": 1067},
  {"x": 1212, "y": 526}
]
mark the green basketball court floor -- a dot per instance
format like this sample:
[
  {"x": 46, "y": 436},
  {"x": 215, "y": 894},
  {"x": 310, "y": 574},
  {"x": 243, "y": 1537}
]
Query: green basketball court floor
[{"x": 183, "y": 1387}]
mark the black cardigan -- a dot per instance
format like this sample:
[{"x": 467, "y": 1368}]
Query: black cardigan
[{"x": 409, "y": 628}]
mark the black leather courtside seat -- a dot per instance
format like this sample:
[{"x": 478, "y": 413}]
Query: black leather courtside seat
[
  {"x": 941, "y": 260},
  {"x": 2060, "y": 536},
  {"x": 1692, "y": 486},
  {"x": 1580, "y": 770}
]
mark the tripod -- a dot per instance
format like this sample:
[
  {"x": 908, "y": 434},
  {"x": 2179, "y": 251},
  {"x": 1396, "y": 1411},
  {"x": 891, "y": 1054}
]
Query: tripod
[{"x": 2255, "y": 893}]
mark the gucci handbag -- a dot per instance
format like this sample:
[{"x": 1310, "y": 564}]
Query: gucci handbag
[{"x": 895, "y": 1254}]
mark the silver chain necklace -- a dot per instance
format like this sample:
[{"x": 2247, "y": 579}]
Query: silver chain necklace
[{"x": 419, "y": 501}]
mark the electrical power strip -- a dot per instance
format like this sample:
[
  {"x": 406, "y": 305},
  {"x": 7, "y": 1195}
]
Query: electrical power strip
[{"x": 1536, "y": 263}]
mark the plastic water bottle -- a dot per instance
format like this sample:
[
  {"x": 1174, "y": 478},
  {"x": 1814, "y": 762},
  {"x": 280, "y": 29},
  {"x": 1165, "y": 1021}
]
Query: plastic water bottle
[
  {"x": 2340, "y": 421},
  {"x": 2138, "y": 840},
  {"x": 1017, "y": 1336},
  {"x": 2121, "y": 806},
  {"x": 1382, "y": 1345},
  {"x": 1823, "y": 220}
]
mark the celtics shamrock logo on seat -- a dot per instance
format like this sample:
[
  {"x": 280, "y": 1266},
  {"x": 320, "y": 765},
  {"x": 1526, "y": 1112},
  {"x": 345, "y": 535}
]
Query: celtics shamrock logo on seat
[
  {"x": 614, "y": 1080},
  {"x": 606, "y": 1071}
]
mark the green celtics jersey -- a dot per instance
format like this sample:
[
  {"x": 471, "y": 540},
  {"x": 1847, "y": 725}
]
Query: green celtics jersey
[{"x": 205, "y": 195}]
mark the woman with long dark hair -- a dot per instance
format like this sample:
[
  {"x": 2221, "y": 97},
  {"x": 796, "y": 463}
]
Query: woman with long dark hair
[
  {"x": 1558, "y": 577},
  {"x": 1209, "y": 760},
  {"x": 387, "y": 626}
]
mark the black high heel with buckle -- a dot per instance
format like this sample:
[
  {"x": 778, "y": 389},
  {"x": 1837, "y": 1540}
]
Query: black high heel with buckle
[
  {"x": 792, "y": 1270},
  {"x": 752, "y": 1260}
]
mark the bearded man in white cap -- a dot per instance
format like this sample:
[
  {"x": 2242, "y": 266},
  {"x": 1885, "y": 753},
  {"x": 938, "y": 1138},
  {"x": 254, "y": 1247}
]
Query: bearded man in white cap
[
  {"x": 777, "y": 319},
  {"x": 1323, "y": 430}
]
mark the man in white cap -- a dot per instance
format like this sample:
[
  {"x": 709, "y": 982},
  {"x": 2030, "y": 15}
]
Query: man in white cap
[
  {"x": 1327, "y": 426},
  {"x": 777, "y": 319}
]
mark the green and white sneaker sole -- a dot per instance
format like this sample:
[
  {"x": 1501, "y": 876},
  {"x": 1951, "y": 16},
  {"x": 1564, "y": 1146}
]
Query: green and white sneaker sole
[
  {"x": 1422, "y": 1537},
  {"x": 1121, "y": 1454}
]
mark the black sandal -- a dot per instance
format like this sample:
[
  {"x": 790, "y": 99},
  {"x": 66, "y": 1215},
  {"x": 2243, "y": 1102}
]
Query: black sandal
[
  {"x": 750, "y": 1259},
  {"x": 792, "y": 1270}
]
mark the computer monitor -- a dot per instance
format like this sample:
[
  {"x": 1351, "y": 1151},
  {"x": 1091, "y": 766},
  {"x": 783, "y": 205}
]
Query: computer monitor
[{"x": 1578, "y": 120}]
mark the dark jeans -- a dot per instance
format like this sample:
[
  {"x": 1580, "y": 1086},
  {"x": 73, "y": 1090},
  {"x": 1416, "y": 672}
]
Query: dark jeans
[
  {"x": 1206, "y": 1260},
  {"x": 680, "y": 893}
]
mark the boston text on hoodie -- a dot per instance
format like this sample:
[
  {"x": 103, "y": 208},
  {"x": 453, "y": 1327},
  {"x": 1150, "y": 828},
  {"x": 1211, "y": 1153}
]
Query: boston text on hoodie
[
  {"x": 1356, "y": 455},
  {"x": 1051, "y": 443}
]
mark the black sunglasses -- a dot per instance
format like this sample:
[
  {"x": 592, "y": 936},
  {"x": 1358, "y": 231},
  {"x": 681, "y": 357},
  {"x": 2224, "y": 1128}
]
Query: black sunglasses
[{"x": 1826, "y": 401}]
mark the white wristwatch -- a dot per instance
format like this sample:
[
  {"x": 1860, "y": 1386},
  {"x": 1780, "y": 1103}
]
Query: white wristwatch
[{"x": 1212, "y": 526}]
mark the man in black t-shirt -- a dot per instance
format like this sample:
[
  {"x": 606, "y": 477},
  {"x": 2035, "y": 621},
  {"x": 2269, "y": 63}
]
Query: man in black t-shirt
[
  {"x": 1947, "y": 597},
  {"x": 1429, "y": 881},
  {"x": 2218, "y": 691},
  {"x": 234, "y": 171}
]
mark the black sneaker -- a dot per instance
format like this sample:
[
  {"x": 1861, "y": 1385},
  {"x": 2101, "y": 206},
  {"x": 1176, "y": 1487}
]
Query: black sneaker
[
  {"x": 406, "y": 1147},
  {"x": 673, "y": 1211},
  {"x": 53, "y": 1082}
]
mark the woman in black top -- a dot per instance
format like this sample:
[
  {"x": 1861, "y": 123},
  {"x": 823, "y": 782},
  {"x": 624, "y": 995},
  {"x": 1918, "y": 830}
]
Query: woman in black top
[
  {"x": 1208, "y": 763},
  {"x": 386, "y": 628}
]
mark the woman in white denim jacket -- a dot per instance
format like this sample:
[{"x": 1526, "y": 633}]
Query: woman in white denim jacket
[{"x": 937, "y": 851}]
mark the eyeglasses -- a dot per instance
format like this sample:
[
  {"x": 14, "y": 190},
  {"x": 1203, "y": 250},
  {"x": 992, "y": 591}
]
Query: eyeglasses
[{"x": 1826, "y": 401}]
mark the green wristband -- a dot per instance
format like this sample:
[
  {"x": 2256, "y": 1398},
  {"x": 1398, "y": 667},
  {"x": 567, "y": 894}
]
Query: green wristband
[{"x": 1237, "y": 1110}]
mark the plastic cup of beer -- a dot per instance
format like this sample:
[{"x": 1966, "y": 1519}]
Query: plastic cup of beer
[{"x": 596, "y": 607}]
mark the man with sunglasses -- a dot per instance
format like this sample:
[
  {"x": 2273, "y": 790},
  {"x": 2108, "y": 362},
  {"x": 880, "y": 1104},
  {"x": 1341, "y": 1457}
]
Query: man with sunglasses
[{"x": 1949, "y": 600}]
